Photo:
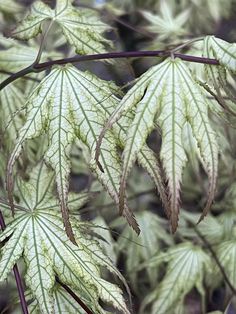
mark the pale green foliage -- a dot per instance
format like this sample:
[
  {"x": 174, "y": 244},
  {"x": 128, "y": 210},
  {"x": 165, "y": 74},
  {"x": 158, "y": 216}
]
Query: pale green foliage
[
  {"x": 71, "y": 112},
  {"x": 9, "y": 7},
  {"x": 219, "y": 77},
  {"x": 226, "y": 252},
  {"x": 166, "y": 25},
  {"x": 222, "y": 50},
  {"x": 38, "y": 235},
  {"x": 81, "y": 27},
  {"x": 11, "y": 100},
  {"x": 139, "y": 249},
  {"x": 16, "y": 56},
  {"x": 66, "y": 105},
  {"x": 167, "y": 95},
  {"x": 187, "y": 265},
  {"x": 107, "y": 242},
  {"x": 63, "y": 303}
]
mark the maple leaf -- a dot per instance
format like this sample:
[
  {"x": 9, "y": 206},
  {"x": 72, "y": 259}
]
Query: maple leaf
[
  {"x": 166, "y": 24},
  {"x": 37, "y": 234},
  {"x": 81, "y": 27},
  {"x": 66, "y": 105},
  {"x": 167, "y": 95},
  {"x": 187, "y": 265},
  {"x": 221, "y": 50},
  {"x": 11, "y": 100}
]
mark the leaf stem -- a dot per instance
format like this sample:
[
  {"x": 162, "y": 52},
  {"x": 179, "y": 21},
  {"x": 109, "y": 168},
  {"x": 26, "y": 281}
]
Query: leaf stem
[
  {"x": 75, "y": 297},
  {"x": 187, "y": 43},
  {"x": 39, "y": 67},
  {"x": 17, "y": 276},
  {"x": 43, "y": 41},
  {"x": 215, "y": 257}
]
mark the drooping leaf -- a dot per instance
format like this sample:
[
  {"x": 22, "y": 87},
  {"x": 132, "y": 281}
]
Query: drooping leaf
[
  {"x": 222, "y": 50},
  {"x": 146, "y": 157},
  {"x": 168, "y": 95},
  {"x": 38, "y": 235},
  {"x": 226, "y": 253},
  {"x": 220, "y": 76},
  {"x": 11, "y": 100},
  {"x": 187, "y": 265},
  {"x": 66, "y": 105},
  {"x": 81, "y": 27}
]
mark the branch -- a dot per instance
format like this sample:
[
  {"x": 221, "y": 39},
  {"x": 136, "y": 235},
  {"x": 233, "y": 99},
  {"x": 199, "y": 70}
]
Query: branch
[
  {"x": 39, "y": 67},
  {"x": 17, "y": 276}
]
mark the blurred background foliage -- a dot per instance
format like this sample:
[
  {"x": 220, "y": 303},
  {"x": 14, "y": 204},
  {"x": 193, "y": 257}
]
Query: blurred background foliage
[{"x": 166, "y": 273}]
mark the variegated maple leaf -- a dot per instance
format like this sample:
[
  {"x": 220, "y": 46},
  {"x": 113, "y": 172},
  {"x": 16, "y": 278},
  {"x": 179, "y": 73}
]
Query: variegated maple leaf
[
  {"x": 187, "y": 265},
  {"x": 221, "y": 50},
  {"x": 81, "y": 27},
  {"x": 37, "y": 234},
  {"x": 11, "y": 100},
  {"x": 166, "y": 25},
  {"x": 218, "y": 76},
  {"x": 66, "y": 105},
  {"x": 167, "y": 95},
  {"x": 16, "y": 56}
]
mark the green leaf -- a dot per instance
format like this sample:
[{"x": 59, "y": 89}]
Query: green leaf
[
  {"x": 186, "y": 267},
  {"x": 226, "y": 253},
  {"x": 140, "y": 249},
  {"x": 81, "y": 27},
  {"x": 222, "y": 50},
  {"x": 66, "y": 106},
  {"x": 11, "y": 100},
  {"x": 63, "y": 303},
  {"x": 16, "y": 56},
  {"x": 166, "y": 25},
  {"x": 167, "y": 95},
  {"x": 38, "y": 235},
  {"x": 107, "y": 242},
  {"x": 10, "y": 7}
]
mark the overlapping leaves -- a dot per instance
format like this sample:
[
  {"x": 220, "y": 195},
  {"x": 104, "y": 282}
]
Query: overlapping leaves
[
  {"x": 167, "y": 95},
  {"x": 38, "y": 235},
  {"x": 81, "y": 27}
]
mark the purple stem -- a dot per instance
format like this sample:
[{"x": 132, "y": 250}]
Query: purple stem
[{"x": 39, "y": 67}]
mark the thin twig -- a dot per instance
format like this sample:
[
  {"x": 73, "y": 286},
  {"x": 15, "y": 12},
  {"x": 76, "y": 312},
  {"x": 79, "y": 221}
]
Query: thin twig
[
  {"x": 215, "y": 257},
  {"x": 43, "y": 42},
  {"x": 75, "y": 297},
  {"x": 187, "y": 43},
  {"x": 34, "y": 68},
  {"x": 17, "y": 276},
  {"x": 25, "y": 78}
]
